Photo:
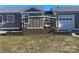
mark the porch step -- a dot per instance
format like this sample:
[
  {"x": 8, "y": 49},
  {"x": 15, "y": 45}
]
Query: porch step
[
  {"x": 38, "y": 31},
  {"x": 5, "y": 32}
]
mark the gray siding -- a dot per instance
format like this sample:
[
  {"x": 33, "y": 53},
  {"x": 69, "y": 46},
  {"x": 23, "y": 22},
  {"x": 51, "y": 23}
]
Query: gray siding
[{"x": 17, "y": 20}]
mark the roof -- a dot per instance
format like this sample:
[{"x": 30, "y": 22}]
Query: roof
[
  {"x": 5, "y": 10},
  {"x": 72, "y": 8},
  {"x": 33, "y": 9},
  {"x": 16, "y": 10}
]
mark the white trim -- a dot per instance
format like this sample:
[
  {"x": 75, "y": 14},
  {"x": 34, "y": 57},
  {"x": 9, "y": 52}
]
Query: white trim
[
  {"x": 44, "y": 16},
  {"x": 11, "y": 21},
  {"x": 73, "y": 21},
  {"x": 15, "y": 31},
  {"x": 11, "y": 28},
  {"x": 2, "y": 19},
  {"x": 35, "y": 27}
]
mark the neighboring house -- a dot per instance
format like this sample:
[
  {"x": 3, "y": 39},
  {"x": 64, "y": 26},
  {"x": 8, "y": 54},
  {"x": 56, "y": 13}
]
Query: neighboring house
[
  {"x": 10, "y": 19},
  {"x": 67, "y": 18},
  {"x": 17, "y": 19}
]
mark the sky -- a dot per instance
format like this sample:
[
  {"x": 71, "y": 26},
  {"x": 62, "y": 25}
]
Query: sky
[{"x": 46, "y": 7}]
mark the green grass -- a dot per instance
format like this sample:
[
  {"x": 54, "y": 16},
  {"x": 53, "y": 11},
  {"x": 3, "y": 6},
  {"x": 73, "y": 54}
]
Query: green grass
[{"x": 39, "y": 43}]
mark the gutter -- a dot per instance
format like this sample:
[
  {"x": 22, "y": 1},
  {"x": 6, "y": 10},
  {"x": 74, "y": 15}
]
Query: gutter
[{"x": 43, "y": 17}]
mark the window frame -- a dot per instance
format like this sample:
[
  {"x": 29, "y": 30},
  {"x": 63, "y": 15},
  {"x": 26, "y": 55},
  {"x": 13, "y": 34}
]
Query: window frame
[
  {"x": 26, "y": 22},
  {"x": 10, "y": 21},
  {"x": 28, "y": 19}
]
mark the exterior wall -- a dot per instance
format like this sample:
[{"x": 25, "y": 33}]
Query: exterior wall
[
  {"x": 76, "y": 22},
  {"x": 17, "y": 20}
]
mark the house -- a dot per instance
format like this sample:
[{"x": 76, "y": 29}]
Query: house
[
  {"x": 19, "y": 19},
  {"x": 67, "y": 18}
]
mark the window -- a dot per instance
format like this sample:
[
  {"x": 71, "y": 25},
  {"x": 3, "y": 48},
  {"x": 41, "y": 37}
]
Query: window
[
  {"x": 67, "y": 19},
  {"x": 46, "y": 19},
  {"x": 26, "y": 20},
  {"x": 63, "y": 18},
  {"x": 70, "y": 18},
  {"x": 60, "y": 18},
  {"x": 10, "y": 18},
  {"x": 1, "y": 18}
]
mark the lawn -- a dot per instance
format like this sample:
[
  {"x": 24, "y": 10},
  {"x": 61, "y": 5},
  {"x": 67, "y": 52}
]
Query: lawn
[{"x": 38, "y": 43}]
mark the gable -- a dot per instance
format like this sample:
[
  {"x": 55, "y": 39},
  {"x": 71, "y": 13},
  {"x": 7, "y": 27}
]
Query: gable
[{"x": 32, "y": 10}]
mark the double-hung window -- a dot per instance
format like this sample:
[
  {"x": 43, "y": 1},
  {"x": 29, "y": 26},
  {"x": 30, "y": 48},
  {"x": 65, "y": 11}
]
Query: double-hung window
[
  {"x": 26, "y": 19},
  {"x": 10, "y": 18}
]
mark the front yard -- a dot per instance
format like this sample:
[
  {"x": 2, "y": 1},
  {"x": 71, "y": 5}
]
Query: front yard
[{"x": 39, "y": 43}]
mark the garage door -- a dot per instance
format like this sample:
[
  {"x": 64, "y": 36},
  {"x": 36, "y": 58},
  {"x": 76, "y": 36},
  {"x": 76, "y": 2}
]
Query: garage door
[{"x": 65, "y": 22}]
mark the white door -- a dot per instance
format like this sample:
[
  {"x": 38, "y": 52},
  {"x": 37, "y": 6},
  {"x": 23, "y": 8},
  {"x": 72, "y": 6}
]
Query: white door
[{"x": 65, "y": 22}]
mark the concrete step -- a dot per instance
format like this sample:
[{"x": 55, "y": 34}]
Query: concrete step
[{"x": 3, "y": 32}]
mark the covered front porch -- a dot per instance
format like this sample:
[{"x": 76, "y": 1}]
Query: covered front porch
[{"x": 38, "y": 22}]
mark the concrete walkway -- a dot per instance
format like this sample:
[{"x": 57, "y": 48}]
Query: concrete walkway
[{"x": 75, "y": 35}]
